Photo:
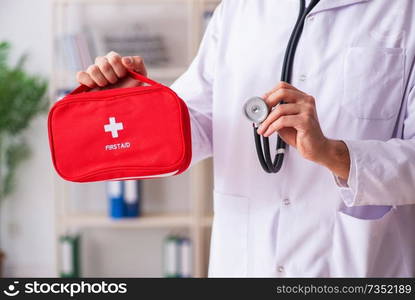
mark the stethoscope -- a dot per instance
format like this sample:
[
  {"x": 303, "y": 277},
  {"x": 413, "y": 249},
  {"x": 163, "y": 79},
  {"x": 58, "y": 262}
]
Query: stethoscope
[{"x": 256, "y": 110}]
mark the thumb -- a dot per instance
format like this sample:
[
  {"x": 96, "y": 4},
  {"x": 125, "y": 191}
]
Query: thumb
[{"x": 134, "y": 63}]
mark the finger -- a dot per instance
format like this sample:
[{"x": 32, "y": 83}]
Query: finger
[
  {"x": 283, "y": 122},
  {"x": 84, "y": 78},
  {"x": 95, "y": 73},
  {"x": 282, "y": 94},
  {"x": 115, "y": 61},
  {"x": 282, "y": 85},
  {"x": 106, "y": 69},
  {"x": 135, "y": 63},
  {"x": 279, "y": 111}
]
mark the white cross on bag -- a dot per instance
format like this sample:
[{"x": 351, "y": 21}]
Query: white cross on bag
[{"x": 113, "y": 127}]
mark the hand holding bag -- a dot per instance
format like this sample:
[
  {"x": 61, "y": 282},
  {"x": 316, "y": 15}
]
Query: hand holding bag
[{"x": 123, "y": 133}]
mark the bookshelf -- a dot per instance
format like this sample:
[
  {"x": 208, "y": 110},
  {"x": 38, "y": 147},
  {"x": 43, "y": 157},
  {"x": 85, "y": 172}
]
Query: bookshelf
[
  {"x": 194, "y": 215},
  {"x": 146, "y": 221}
]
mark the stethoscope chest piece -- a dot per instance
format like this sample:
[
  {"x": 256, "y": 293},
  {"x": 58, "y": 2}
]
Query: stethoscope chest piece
[{"x": 256, "y": 110}]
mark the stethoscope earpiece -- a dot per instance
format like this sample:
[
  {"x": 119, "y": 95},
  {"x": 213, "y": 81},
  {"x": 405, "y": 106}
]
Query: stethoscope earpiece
[{"x": 256, "y": 110}]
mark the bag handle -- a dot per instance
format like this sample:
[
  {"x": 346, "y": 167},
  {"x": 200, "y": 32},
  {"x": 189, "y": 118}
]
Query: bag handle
[{"x": 83, "y": 88}]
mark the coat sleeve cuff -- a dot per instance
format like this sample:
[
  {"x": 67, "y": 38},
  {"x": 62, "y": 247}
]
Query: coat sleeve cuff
[{"x": 351, "y": 190}]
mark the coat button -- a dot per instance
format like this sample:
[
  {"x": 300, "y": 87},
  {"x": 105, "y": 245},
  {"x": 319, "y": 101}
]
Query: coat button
[
  {"x": 286, "y": 201},
  {"x": 280, "y": 269},
  {"x": 303, "y": 77}
]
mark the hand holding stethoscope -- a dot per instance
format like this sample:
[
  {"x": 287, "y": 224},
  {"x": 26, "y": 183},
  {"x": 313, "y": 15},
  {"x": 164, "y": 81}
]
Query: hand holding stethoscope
[
  {"x": 297, "y": 124},
  {"x": 295, "y": 121}
]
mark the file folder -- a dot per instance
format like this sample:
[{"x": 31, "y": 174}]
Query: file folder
[
  {"x": 70, "y": 263},
  {"x": 171, "y": 255},
  {"x": 185, "y": 257},
  {"x": 131, "y": 198},
  {"x": 116, "y": 201}
]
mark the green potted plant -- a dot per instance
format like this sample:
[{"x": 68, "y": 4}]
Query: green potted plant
[{"x": 22, "y": 98}]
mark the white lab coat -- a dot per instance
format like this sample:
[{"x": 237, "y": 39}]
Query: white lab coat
[{"x": 356, "y": 57}]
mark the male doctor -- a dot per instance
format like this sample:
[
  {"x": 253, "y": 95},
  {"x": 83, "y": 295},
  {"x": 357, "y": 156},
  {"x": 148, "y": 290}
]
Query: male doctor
[{"x": 343, "y": 203}]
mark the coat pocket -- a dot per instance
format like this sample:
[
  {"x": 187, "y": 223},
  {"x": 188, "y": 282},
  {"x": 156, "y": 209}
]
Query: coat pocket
[
  {"x": 229, "y": 236},
  {"x": 365, "y": 247},
  {"x": 373, "y": 82}
]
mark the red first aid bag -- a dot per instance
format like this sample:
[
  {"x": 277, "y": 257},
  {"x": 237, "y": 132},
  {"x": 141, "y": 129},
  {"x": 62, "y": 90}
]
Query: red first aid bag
[{"x": 123, "y": 133}]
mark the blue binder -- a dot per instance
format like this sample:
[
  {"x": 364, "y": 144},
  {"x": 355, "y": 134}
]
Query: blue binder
[
  {"x": 132, "y": 195},
  {"x": 185, "y": 257},
  {"x": 116, "y": 202}
]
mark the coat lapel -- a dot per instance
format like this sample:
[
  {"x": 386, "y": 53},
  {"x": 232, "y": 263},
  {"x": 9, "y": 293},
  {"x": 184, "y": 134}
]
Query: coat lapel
[{"x": 334, "y": 4}]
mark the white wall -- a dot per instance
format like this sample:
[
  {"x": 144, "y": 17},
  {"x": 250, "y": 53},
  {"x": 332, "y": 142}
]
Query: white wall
[{"x": 27, "y": 217}]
